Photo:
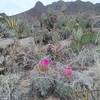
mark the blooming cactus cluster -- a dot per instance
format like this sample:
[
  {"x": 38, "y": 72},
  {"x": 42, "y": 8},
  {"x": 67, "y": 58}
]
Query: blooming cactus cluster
[
  {"x": 68, "y": 71},
  {"x": 44, "y": 64}
]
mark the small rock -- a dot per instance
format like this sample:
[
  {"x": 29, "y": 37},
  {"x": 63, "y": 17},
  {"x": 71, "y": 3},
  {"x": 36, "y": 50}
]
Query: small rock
[{"x": 1, "y": 59}]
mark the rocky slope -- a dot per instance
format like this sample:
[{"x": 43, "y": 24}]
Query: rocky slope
[{"x": 68, "y": 8}]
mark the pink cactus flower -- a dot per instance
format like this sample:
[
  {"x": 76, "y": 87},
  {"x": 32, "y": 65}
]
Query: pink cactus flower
[
  {"x": 68, "y": 72},
  {"x": 44, "y": 64}
]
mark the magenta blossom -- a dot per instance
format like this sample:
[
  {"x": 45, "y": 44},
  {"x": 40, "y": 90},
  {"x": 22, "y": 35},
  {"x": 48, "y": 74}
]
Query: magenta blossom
[
  {"x": 44, "y": 64},
  {"x": 44, "y": 61},
  {"x": 67, "y": 72}
]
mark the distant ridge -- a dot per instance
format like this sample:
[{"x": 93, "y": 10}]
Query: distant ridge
[{"x": 68, "y": 8}]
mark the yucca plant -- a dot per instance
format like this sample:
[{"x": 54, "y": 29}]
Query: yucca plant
[
  {"x": 17, "y": 27},
  {"x": 11, "y": 23}
]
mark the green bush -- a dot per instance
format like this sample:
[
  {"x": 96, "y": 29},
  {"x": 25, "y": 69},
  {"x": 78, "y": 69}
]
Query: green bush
[
  {"x": 81, "y": 39},
  {"x": 63, "y": 91},
  {"x": 87, "y": 38},
  {"x": 43, "y": 87},
  {"x": 96, "y": 38},
  {"x": 56, "y": 36}
]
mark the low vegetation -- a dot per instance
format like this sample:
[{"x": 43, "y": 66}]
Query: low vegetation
[{"x": 58, "y": 58}]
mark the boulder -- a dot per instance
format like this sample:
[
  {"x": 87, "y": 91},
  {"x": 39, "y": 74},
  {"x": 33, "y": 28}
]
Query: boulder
[
  {"x": 4, "y": 43},
  {"x": 27, "y": 42}
]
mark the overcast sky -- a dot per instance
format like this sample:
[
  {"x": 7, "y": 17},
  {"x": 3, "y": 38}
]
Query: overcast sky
[{"x": 11, "y": 7}]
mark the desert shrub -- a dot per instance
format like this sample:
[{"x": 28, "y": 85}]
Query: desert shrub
[
  {"x": 76, "y": 46},
  {"x": 20, "y": 30},
  {"x": 2, "y": 29},
  {"x": 66, "y": 27},
  {"x": 77, "y": 34},
  {"x": 81, "y": 39},
  {"x": 23, "y": 29},
  {"x": 65, "y": 35},
  {"x": 17, "y": 27},
  {"x": 3, "y": 17},
  {"x": 47, "y": 38},
  {"x": 63, "y": 91},
  {"x": 90, "y": 38},
  {"x": 61, "y": 19},
  {"x": 84, "y": 23},
  {"x": 46, "y": 86},
  {"x": 48, "y": 21},
  {"x": 42, "y": 87},
  {"x": 9, "y": 89},
  {"x": 66, "y": 32},
  {"x": 96, "y": 38},
  {"x": 56, "y": 37},
  {"x": 87, "y": 38},
  {"x": 82, "y": 92}
]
